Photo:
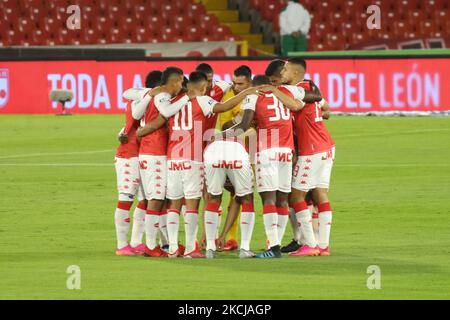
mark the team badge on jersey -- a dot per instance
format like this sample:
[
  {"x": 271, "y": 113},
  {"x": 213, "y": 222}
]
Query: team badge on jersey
[{"x": 4, "y": 87}]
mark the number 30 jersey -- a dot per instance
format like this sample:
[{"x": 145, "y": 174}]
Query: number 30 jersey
[
  {"x": 187, "y": 127},
  {"x": 312, "y": 134},
  {"x": 273, "y": 119}
]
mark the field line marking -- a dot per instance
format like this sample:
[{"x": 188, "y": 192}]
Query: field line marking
[
  {"x": 389, "y": 133},
  {"x": 55, "y": 154},
  {"x": 80, "y": 164}
]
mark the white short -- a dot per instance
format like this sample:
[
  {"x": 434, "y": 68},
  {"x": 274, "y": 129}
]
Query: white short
[
  {"x": 224, "y": 159},
  {"x": 313, "y": 171},
  {"x": 184, "y": 179},
  {"x": 274, "y": 170},
  {"x": 153, "y": 170},
  {"x": 128, "y": 179}
]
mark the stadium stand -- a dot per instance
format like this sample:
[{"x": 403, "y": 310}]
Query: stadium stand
[
  {"x": 38, "y": 22},
  {"x": 336, "y": 24},
  {"x": 341, "y": 24}
]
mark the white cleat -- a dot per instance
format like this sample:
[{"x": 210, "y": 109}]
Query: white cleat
[
  {"x": 210, "y": 254},
  {"x": 245, "y": 254}
]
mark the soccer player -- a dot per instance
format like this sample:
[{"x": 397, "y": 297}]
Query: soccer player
[
  {"x": 128, "y": 182},
  {"x": 216, "y": 90},
  {"x": 274, "y": 154},
  {"x": 152, "y": 153},
  {"x": 242, "y": 80},
  {"x": 273, "y": 71},
  {"x": 185, "y": 165},
  {"x": 316, "y": 151}
]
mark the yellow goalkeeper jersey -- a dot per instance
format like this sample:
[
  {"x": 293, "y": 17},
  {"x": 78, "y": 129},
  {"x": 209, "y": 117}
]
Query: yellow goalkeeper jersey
[{"x": 230, "y": 114}]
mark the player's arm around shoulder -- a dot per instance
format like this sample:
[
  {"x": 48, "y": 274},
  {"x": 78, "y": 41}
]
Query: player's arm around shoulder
[
  {"x": 290, "y": 96},
  {"x": 152, "y": 126},
  {"x": 231, "y": 103}
]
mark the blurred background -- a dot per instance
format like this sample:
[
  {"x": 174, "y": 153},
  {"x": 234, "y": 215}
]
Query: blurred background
[
  {"x": 366, "y": 56},
  {"x": 252, "y": 25}
]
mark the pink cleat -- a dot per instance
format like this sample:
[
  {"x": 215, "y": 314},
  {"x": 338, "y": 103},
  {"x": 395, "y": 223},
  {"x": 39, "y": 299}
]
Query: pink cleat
[
  {"x": 139, "y": 249},
  {"x": 325, "y": 252},
  {"x": 305, "y": 251},
  {"x": 125, "y": 251}
]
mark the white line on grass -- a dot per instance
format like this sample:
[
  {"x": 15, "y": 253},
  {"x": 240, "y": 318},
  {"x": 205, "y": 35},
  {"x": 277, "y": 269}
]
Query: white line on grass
[
  {"x": 80, "y": 164},
  {"x": 54, "y": 154},
  {"x": 336, "y": 137}
]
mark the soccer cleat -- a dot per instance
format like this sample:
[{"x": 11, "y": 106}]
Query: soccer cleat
[
  {"x": 231, "y": 245},
  {"x": 268, "y": 254},
  {"x": 139, "y": 249},
  {"x": 197, "y": 245},
  {"x": 165, "y": 248},
  {"x": 176, "y": 254},
  {"x": 210, "y": 254},
  {"x": 155, "y": 253},
  {"x": 195, "y": 254},
  {"x": 125, "y": 251},
  {"x": 291, "y": 247},
  {"x": 324, "y": 252},
  {"x": 305, "y": 251},
  {"x": 245, "y": 254}
]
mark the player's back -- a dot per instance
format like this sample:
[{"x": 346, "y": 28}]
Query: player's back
[
  {"x": 186, "y": 132},
  {"x": 154, "y": 143},
  {"x": 273, "y": 121},
  {"x": 310, "y": 128},
  {"x": 131, "y": 148}
]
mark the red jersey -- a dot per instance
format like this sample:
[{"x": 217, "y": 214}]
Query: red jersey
[
  {"x": 154, "y": 143},
  {"x": 312, "y": 134},
  {"x": 130, "y": 149},
  {"x": 217, "y": 92},
  {"x": 273, "y": 119},
  {"x": 187, "y": 127}
]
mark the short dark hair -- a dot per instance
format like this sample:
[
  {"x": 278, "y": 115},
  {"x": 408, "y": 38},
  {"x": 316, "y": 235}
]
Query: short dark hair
[
  {"x": 298, "y": 61},
  {"x": 197, "y": 76},
  {"x": 153, "y": 79},
  {"x": 243, "y": 71},
  {"x": 169, "y": 72},
  {"x": 205, "y": 68},
  {"x": 274, "y": 67},
  {"x": 260, "y": 80}
]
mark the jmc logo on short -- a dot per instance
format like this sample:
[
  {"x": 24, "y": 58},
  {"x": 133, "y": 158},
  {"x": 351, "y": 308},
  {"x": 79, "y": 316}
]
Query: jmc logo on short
[{"x": 4, "y": 87}]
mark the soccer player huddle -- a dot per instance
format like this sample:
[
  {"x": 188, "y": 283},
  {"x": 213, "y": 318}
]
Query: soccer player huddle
[{"x": 272, "y": 138}]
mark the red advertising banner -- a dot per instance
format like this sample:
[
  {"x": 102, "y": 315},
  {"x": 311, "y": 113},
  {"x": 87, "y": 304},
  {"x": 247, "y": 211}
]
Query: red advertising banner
[{"x": 349, "y": 85}]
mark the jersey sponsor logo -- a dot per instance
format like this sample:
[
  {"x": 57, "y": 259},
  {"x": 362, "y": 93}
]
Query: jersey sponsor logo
[
  {"x": 329, "y": 155},
  {"x": 143, "y": 164},
  {"x": 4, "y": 87},
  {"x": 177, "y": 166},
  {"x": 228, "y": 164},
  {"x": 281, "y": 157}
]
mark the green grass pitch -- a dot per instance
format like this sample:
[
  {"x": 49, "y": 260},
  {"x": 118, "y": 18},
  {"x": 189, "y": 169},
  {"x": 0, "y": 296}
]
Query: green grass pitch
[{"x": 390, "y": 194}]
